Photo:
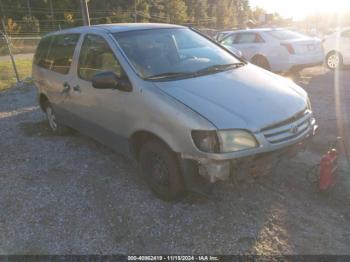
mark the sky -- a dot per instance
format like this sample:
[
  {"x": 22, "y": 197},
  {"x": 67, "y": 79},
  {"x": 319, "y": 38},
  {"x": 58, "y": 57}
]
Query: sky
[{"x": 299, "y": 9}]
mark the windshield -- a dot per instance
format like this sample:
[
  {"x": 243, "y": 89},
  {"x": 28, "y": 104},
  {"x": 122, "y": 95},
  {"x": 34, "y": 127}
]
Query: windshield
[
  {"x": 173, "y": 51},
  {"x": 286, "y": 34}
]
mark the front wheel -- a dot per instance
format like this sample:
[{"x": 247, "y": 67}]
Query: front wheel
[
  {"x": 161, "y": 169},
  {"x": 261, "y": 62}
]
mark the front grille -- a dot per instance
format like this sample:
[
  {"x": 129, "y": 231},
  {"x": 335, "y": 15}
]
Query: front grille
[{"x": 288, "y": 129}]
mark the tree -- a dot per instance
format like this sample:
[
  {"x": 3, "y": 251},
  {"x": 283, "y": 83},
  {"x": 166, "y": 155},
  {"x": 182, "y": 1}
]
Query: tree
[
  {"x": 257, "y": 13},
  {"x": 222, "y": 14},
  {"x": 242, "y": 7},
  {"x": 197, "y": 11},
  {"x": 12, "y": 27},
  {"x": 143, "y": 14},
  {"x": 157, "y": 11},
  {"x": 176, "y": 10},
  {"x": 30, "y": 24}
]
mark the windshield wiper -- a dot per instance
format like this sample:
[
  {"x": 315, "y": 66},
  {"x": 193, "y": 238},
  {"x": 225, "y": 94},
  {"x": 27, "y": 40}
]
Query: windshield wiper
[
  {"x": 218, "y": 68},
  {"x": 168, "y": 75},
  {"x": 207, "y": 70}
]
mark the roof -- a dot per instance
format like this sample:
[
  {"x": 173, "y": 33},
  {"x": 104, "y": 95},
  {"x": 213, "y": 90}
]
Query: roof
[
  {"x": 253, "y": 30},
  {"x": 117, "y": 27}
]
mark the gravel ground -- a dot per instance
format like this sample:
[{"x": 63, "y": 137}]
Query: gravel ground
[{"x": 71, "y": 195}]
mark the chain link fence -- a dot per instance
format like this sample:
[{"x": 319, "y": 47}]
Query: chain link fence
[{"x": 16, "y": 69}]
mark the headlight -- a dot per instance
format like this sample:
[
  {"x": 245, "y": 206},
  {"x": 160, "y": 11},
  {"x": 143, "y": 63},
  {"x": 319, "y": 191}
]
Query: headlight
[
  {"x": 224, "y": 141},
  {"x": 236, "y": 140},
  {"x": 206, "y": 141},
  {"x": 309, "y": 104}
]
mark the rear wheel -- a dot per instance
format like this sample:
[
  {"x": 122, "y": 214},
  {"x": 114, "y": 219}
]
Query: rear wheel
[
  {"x": 261, "y": 62},
  {"x": 334, "y": 60},
  {"x": 161, "y": 169},
  {"x": 54, "y": 125}
]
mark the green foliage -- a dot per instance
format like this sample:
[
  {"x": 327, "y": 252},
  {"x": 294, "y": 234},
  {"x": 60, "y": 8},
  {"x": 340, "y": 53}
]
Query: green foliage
[
  {"x": 176, "y": 11},
  {"x": 12, "y": 27},
  {"x": 143, "y": 14},
  {"x": 50, "y": 15},
  {"x": 197, "y": 11},
  {"x": 30, "y": 24}
]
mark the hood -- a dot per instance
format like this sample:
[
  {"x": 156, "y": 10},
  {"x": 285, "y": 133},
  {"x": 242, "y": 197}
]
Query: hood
[{"x": 247, "y": 97}]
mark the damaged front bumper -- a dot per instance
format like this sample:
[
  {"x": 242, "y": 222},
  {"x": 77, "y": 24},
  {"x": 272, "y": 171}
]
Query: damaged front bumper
[{"x": 253, "y": 162}]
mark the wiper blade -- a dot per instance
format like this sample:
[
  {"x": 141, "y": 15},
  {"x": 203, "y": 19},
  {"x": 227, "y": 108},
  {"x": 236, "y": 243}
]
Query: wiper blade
[
  {"x": 168, "y": 75},
  {"x": 210, "y": 69},
  {"x": 217, "y": 68}
]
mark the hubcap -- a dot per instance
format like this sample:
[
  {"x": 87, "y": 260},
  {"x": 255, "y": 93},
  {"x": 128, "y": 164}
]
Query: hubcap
[
  {"x": 51, "y": 117},
  {"x": 333, "y": 61}
]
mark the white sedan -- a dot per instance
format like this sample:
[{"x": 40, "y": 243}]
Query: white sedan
[
  {"x": 278, "y": 50},
  {"x": 337, "y": 48}
]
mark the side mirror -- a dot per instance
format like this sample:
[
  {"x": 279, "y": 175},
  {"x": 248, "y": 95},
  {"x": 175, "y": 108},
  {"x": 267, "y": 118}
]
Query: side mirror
[
  {"x": 236, "y": 52},
  {"x": 109, "y": 80}
]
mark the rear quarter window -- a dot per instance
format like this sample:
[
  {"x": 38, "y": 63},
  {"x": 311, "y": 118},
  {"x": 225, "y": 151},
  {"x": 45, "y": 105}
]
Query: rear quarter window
[
  {"x": 42, "y": 51},
  {"x": 56, "y": 52}
]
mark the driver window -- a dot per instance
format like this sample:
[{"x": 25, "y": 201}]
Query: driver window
[{"x": 96, "y": 56}]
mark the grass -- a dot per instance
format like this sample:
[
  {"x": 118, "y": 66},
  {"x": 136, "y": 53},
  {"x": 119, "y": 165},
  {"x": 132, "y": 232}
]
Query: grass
[{"x": 7, "y": 75}]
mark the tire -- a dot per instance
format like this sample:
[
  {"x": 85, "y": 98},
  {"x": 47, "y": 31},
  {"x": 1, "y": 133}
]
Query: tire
[
  {"x": 54, "y": 125},
  {"x": 261, "y": 61},
  {"x": 161, "y": 170},
  {"x": 334, "y": 60}
]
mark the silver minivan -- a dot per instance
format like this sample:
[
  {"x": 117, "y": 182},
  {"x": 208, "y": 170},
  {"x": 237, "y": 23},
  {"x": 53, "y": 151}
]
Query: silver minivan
[{"x": 187, "y": 109}]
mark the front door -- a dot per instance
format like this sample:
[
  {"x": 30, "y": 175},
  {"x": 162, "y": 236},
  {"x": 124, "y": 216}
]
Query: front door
[{"x": 100, "y": 113}]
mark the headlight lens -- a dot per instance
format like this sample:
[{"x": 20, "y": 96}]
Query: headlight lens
[
  {"x": 236, "y": 140},
  {"x": 224, "y": 141},
  {"x": 206, "y": 141}
]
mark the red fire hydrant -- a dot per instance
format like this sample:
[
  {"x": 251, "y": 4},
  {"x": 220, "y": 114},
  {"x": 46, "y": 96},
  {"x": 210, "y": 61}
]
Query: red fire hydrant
[{"x": 328, "y": 170}]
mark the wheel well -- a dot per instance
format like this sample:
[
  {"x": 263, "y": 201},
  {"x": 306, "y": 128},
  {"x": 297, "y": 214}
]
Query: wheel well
[
  {"x": 334, "y": 52},
  {"x": 259, "y": 55},
  {"x": 42, "y": 100},
  {"x": 141, "y": 137}
]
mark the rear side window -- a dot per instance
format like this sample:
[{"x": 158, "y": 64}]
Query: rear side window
[
  {"x": 95, "y": 57},
  {"x": 61, "y": 53},
  {"x": 248, "y": 38},
  {"x": 56, "y": 52}
]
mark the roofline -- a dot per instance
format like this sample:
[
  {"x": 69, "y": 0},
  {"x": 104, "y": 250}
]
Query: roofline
[{"x": 108, "y": 28}]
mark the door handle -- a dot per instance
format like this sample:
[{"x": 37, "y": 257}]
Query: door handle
[
  {"x": 77, "y": 88},
  {"x": 66, "y": 88}
]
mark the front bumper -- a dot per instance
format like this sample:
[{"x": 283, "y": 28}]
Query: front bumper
[{"x": 221, "y": 166}]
